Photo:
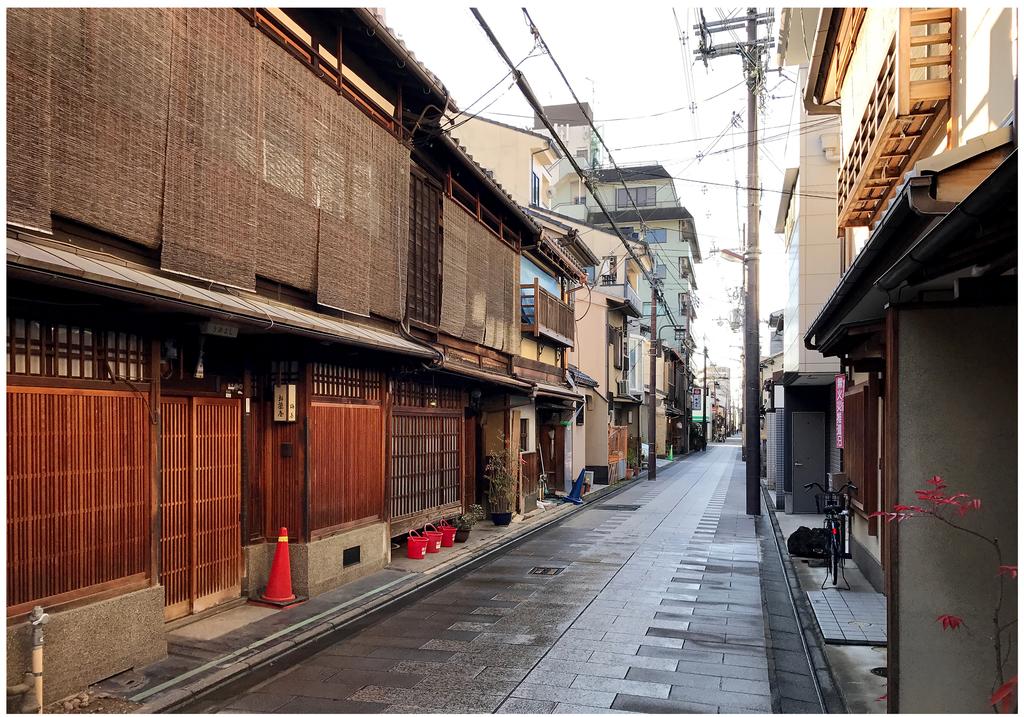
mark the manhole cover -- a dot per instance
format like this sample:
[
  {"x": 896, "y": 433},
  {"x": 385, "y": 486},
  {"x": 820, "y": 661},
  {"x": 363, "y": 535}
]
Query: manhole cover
[
  {"x": 880, "y": 671},
  {"x": 545, "y": 571},
  {"x": 605, "y": 506}
]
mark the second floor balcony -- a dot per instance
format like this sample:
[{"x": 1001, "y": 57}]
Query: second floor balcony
[
  {"x": 625, "y": 292},
  {"x": 543, "y": 315},
  {"x": 908, "y": 106}
]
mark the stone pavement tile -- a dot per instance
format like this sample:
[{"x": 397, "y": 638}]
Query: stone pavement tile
[
  {"x": 350, "y": 662},
  {"x": 610, "y": 644},
  {"x": 722, "y": 670},
  {"x": 724, "y": 699},
  {"x": 260, "y": 702},
  {"x": 520, "y": 705},
  {"x": 750, "y": 687},
  {"x": 403, "y": 653},
  {"x": 492, "y": 658},
  {"x": 511, "y": 674},
  {"x": 556, "y": 679},
  {"x": 570, "y": 652},
  {"x": 310, "y": 672},
  {"x": 328, "y": 690},
  {"x": 640, "y": 640},
  {"x": 652, "y": 705},
  {"x": 726, "y": 647},
  {"x": 670, "y": 677},
  {"x": 498, "y": 638},
  {"x": 360, "y": 678},
  {"x": 564, "y": 708},
  {"x": 747, "y": 660},
  {"x": 790, "y": 661},
  {"x": 622, "y": 687},
  {"x": 430, "y": 668},
  {"x": 317, "y": 705},
  {"x": 588, "y": 698},
  {"x": 347, "y": 648},
  {"x": 598, "y": 669},
  {"x": 655, "y": 663},
  {"x": 463, "y": 685}
]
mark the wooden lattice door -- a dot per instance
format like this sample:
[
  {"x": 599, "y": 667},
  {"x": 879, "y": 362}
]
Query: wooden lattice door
[{"x": 200, "y": 543}]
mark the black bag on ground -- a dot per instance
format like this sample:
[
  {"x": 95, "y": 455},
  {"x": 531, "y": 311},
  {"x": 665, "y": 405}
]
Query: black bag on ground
[{"x": 808, "y": 542}]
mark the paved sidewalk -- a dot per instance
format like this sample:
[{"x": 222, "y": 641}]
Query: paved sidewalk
[{"x": 648, "y": 602}]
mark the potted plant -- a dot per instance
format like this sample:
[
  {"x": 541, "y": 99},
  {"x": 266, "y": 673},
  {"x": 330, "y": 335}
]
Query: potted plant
[
  {"x": 631, "y": 461},
  {"x": 464, "y": 523},
  {"x": 502, "y": 479}
]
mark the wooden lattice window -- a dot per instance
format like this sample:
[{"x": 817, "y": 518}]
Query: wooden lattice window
[
  {"x": 79, "y": 486},
  {"x": 417, "y": 394},
  {"x": 57, "y": 350},
  {"x": 425, "y": 250},
  {"x": 347, "y": 382},
  {"x": 860, "y": 438},
  {"x": 426, "y": 461}
]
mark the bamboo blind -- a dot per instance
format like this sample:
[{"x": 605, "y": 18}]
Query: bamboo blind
[
  {"x": 29, "y": 117},
  {"x": 425, "y": 252},
  {"x": 109, "y": 78},
  {"x": 78, "y": 491},
  {"x": 213, "y": 150}
]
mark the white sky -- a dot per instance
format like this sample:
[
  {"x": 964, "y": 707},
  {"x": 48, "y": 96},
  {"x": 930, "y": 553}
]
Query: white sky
[{"x": 626, "y": 60}]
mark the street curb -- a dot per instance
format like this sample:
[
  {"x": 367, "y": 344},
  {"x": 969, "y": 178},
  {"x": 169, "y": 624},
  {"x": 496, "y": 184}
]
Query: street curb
[
  {"x": 336, "y": 626},
  {"x": 831, "y": 693}
]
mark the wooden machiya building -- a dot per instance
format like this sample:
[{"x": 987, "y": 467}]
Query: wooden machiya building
[{"x": 251, "y": 285}]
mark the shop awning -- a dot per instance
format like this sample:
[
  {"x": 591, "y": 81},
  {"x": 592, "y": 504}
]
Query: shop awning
[
  {"x": 113, "y": 276},
  {"x": 467, "y": 371},
  {"x": 553, "y": 391}
]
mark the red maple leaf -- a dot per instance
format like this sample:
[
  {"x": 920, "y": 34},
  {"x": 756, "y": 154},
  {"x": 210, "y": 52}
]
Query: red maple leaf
[
  {"x": 936, "y": 481},
  {"x": 883, "y": 698},
  {"x": 1010, "y": 570},
  {"x": 950, "y": 622},
  {"x": 1003, "y": 697}
]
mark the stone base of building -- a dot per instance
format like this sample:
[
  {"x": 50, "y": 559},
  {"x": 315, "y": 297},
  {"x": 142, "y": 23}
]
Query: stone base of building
[
  {"x": 86, "y": 644},
  {"x": 318, "y": 566},
  {"x": 868, "y": 564}
]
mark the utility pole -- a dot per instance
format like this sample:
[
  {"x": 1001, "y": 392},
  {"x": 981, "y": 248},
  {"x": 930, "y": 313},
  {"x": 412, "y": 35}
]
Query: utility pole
[
  {"x": 652, "y": 396},
  {"x": 750, "y": 51},
  {"x": 704, "y": 407}
]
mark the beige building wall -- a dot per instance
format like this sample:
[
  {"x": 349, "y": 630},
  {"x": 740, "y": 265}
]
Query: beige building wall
[
  {"x": 508, "y": 152},
  {"x": 536, "y": 351},
  {"x": 986, "y": 51},
  {"x": 957, "y": 395},
  {"x": 879, "y": 27}
]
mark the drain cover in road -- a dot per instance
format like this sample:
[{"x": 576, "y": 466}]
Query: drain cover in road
[
  {"x": 546, "y": 571},
  {"x": 613, "y": 506}
]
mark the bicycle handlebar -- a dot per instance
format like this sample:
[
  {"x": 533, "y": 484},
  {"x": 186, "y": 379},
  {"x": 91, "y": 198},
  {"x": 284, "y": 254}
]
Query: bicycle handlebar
[{"x": 848, "y": 487}]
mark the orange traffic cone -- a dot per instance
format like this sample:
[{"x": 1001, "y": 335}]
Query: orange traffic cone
[{"x": 278, "y": 592}]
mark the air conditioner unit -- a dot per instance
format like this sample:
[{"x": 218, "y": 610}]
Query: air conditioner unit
[{"x": 623, "y": 388}]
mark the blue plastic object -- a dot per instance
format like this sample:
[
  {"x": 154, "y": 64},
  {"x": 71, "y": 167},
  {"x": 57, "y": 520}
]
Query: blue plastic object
[{"x": 577, "y": 491}]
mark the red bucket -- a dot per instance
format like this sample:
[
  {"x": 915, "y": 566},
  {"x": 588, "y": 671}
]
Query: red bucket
[
  {"x": 416, "y": 546},
  {"x": 433, "y": 538},
  {"x": 447, "y": 534}
]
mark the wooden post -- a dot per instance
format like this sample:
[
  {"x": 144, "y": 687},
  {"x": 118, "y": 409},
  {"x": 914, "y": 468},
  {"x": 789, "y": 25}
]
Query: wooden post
[
  {"x": 536, "y": 306},
  {"x": 156, "y": 463}
]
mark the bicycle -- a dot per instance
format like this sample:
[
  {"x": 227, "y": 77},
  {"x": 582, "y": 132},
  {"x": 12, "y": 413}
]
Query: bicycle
[{"x": 836, "y": 506}]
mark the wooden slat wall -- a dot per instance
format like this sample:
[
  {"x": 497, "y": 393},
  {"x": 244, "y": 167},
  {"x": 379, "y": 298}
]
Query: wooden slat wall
[
  {"x": 217, "y": 423},
  {"x": 346, "y": 464},
  {"x": 425, "y": 250},
  {"x": 426, "y": 459},
  {"x": 78, "y": 492},
  {"x": 176, "y": 497},
  {"x": 860, "y": 451},
  {"x": 531, "y": 472}
]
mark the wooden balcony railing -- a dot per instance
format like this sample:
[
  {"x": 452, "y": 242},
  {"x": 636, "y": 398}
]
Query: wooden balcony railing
[
  {"x": 543, "y": 315},
  {"x": 909, "y": 103}
]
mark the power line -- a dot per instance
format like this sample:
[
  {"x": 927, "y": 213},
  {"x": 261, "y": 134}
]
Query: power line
[
  {"x": 540, "y": 39},
  {"x": 527, "y": 91}
]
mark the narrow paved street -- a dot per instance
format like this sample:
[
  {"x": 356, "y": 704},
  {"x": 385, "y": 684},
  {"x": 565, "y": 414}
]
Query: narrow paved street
[{"x": 655, "y": 607}]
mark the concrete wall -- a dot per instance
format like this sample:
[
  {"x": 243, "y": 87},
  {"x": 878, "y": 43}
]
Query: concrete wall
[
  {"x": 958, "y": 419},
  {"x": 87, "y": 644},
  {"x": 316, "y": 567}
]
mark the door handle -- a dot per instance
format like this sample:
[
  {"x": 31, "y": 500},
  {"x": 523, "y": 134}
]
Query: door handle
[{"x": 798, "y": 464}]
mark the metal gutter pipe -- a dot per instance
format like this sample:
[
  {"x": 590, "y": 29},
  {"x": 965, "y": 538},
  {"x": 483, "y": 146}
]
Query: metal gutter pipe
[{"x": 810, "y": 105}]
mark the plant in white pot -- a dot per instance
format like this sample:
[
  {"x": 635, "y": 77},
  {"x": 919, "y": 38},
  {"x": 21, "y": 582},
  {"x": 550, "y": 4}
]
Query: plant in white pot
[{"x": 503, "y": 480}]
